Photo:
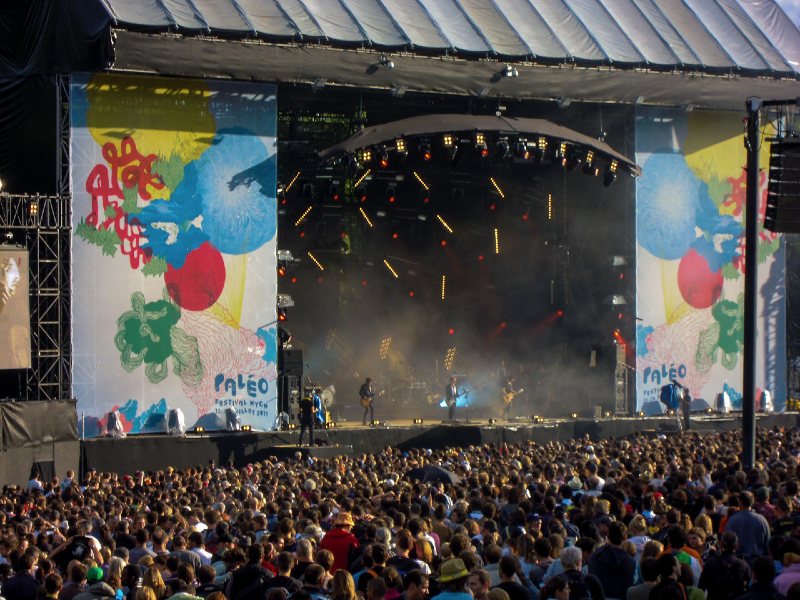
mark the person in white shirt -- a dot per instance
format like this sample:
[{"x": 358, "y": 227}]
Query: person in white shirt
[
  {"x": 198, "y": 546},
  {"x": 34, "y": 483}
]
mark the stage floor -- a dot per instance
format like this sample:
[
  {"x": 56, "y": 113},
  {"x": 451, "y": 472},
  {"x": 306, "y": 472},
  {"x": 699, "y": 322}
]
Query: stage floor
[{"x": 155, "y": 452}]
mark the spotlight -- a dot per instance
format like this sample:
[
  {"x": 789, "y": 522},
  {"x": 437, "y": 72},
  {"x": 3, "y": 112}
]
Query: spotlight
[
  {"x": 366, "y": 155},
  {"x": 709, "y": 410},
  {"x": 382, "y": 154},
  {"x": 480, "y": 143},
  {"x": 574, "y": 415},
  {"x": 424, "y": 149},
  {"x": 387, "y": 62},
  {"x": 640, "y": 413},
  {"x": 284, "y": 335},
  {"x": 482, "y": 92},
  {"x": 246, "y": 428},
  {"x": 589, "y": 167},
  {"x": 352, "y": 166},
  {"x": 521, "y": 149},
  {"x": 200, "y": 429},
  {"x": 611, "y": 174},
  {"x": 573, "y": 161},
  {"x": 607, "y": 414},
  {"x": 501, "y": 148},
  {"x": 33, "y": 208},
  {"x": 447, "y": 140},
  {"x": 292, "y": 426},
  {"x": 492, "y": 421},
  {"x": 400, "y": 146},
  {"x": 510, "y": 71},
  {"x": 417, "y": 421},
  {"x": 539, "y": 150},
  {"x": 560, "y": 154},
  {"x": 281, "y": 314},
  {"x": 376, "y": 423}
]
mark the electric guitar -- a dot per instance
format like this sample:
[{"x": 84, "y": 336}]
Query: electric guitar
[
  {"x": 453, "y": 399},
  {"x": 365, "y": 402},
  {"x": 509, "y": 396}
]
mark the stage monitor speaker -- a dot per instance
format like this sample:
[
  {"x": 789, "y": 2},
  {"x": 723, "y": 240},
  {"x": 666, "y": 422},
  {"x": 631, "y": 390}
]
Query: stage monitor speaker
[
  {"x": 291, "y": 362},
  {"x": 176, "y": 422},
  {"x": 232, "y": 420}
]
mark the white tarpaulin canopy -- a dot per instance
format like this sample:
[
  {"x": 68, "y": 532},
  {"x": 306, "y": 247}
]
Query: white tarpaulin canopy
[{"x": 712, "y": 35}]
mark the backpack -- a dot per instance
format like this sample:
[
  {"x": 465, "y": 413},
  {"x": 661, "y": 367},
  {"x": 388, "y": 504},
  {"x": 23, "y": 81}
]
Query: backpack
[
  {"x": 729, "y": 584},
  {"x": 578, "y": 590}
]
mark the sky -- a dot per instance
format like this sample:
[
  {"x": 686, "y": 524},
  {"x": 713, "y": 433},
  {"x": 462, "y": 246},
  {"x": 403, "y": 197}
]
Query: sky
[{"x": 792, "y": 8}]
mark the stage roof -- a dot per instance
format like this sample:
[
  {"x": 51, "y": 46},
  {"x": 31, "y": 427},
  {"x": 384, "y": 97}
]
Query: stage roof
[{"x": 716, "y": 36}]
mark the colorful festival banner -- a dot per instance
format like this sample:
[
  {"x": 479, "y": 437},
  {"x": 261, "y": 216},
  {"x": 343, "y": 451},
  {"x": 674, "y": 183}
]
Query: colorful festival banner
[
  {"x": 15, "y": 319},
  {"x": 690, "y": 204},
  {"x": 174, "y": 249}
]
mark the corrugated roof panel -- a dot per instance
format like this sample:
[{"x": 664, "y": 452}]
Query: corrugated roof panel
[
  {"x": 144, "y": 13},
  {"x": 416, "y": 24},
  {"x": 695, "y": 34},
  {"x": 531, "y": 28},
  {"x": 267, "y": 17},
  {"x": 221, "y": 14},
  {"x": 334, "y": 21},
  {"x": 375, "y": 22},
  {"x": 455, "y": 26},
  {"x": 777, "y": 27},
  {"x": 756, "y": 37},
  {"x": 667, "y": 32},
  {"x": 605, "y": 31},
  {"x": 568, "y": 30},
  {"x": 298, "y": 14},
  {"x": 640, "y": 32},
  {"x": 735, "y": 45},
  {"x": 495, "y": 27}
]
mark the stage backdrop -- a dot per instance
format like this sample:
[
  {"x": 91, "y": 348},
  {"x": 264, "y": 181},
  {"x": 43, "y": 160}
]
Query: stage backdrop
[
  {"x": 15, "y": 320},
  {"x": 690, "y": 205},
  {"x": 174, "y": 248}
]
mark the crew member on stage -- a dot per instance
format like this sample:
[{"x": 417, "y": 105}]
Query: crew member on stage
[
  {"x": 307, "y": 411},
  {"x": 367, "y": 398},
  {"x": 508, "y": 398},
  {"x": 451, "y": 397}
]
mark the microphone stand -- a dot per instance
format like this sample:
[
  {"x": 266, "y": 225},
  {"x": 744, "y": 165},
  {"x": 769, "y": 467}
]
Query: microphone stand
[{"x": 466, "y": 405}]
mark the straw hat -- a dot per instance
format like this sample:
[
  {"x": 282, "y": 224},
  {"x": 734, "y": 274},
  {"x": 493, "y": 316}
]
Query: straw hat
[{"x": 452, "y": 570}]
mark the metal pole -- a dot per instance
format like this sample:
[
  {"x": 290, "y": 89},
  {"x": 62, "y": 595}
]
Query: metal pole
[{"x": 750, "y": 286}]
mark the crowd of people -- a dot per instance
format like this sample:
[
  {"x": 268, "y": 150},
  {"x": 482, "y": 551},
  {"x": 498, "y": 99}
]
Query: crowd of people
[{"x": 642, "y": 518}]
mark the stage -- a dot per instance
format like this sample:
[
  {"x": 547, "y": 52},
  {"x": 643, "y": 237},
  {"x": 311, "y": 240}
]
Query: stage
[{"x": 155, "y": 452}]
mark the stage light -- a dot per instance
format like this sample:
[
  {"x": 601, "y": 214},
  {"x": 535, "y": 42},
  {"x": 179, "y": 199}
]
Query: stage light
[
  {"x": 482, "y": 92},
  {"x": 447, "y": 140},
  {"x": 281, "y": 271},
  {"x": 560, "y": 154},
  {"x": 451, "y": 331},
  {"x": 352, "y": 166},
  {"x": 672, "y": 412},
  {"x": 333, "y": 191},
  {"x": 424, "y": 149},
  {"x": 366, "y": 218},
  {"x": 417, "y": 421},
  {"x": 573, "y": 161},
  {"x": 292, "y": 426},
  {"x": 510, "y": 71},
  {"x": 246, "y": 428},
  {"x": 521, "y": 149},
  {"x": 450, "y": 357},
  {"x": 284, "y": 335},
  {"x": 358, "y": 183},
  {"x": 444, "y": 224},
  {"x": 385, "y": 348},
  {"x": 376, "y": 423},
  {"x": 382, "y": 154},
  {"x": 640, "y": 413},
  {"x": 199, "y": 429},
  {"x": 380, "y": 214},
  {"x": 607, "y": 414},
  {"x": 366, "y": 155},
  {"x": 480, "y": 143},
  {"x": 492, "y": 421},
  {"x": 303, "y": 216},
  {"x": 399, "y": 91},
  {"x": 560, "y": 313},
  {"x": 611, "y": 174},
  {"x": 497, "y": 187},
  {"x": 496, "y": 242},
  {"x": 564, "y": 102},
  {"x": 316, "y": 262},
  {"x": 549, "y": 207},
  {"x": 443, "y": 281},
  {"x": 709, "y": 410},
  {"x": 540, "y": 149},
  {"x": 281, "y": 314},
  {"x": 291, "y": 183},
  {"x": 574, "y": 415},
  {"x": 400, "y": 146},
  {"x": 388, "y": 266},
  {"x": 425, "y": 185},
  {"x": 502, "y": 148}
]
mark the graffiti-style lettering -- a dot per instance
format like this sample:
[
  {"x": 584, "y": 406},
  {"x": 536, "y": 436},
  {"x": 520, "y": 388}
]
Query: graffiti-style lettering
[
  {"x": 230, "y": 386},
  {"x": 251, "y": 386},
  {"x": 682, "y": 371},
  {"x": 218, "y": 381},
  {"x": 263, "y": 389}
]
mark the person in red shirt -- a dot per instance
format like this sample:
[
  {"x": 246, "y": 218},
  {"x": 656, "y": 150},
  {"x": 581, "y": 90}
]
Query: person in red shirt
[{"x": 340, "y": 541}]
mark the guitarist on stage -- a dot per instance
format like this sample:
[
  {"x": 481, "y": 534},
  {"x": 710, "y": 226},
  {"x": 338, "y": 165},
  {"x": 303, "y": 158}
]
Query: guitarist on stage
[
  {"x": 508, "y": 396},
  {"x": 451, "y": 397},
  {"x": 367, "y": 397}
]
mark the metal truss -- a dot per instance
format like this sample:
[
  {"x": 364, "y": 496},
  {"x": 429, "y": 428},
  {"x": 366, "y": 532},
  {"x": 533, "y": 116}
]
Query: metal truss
[
  {"x": 64, "y": 136},
  {"x": 44, "y": 223},
  {"x": 792, "y": 317}
]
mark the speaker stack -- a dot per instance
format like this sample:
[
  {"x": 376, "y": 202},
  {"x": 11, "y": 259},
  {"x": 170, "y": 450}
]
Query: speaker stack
[{"x": 290, "y": 373}]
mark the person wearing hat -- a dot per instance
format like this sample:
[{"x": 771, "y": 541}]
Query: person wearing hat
[
  {"x": 453, "y": 579},
  {"x": 340, "y": 541},
  {"x": 96, "y": 587}
]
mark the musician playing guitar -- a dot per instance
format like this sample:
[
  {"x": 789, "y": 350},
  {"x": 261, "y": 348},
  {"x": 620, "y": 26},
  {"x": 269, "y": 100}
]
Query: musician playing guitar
[
  {"x": 367, "y": 397},
  {"x": 451, "y": 396},
  {"x": 508, "y": 395}
]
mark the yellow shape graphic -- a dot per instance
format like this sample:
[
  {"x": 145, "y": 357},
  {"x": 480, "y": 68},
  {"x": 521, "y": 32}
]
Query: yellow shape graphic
[
  {"x": 675, "y": 307},
  {"x": 164, "y": 117},
  {"x": 228, "y": 307}
]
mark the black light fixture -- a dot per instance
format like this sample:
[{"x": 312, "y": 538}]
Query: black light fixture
[
  {"x": 352, "y": 166},
  {"x": 560, "y": 153},
  {"x": 540, "y": 149},
  {"x": 611, "y": 174},
  {"x": 417, "y": 421},
  {"x": 480, "y": 143},
  {"x": 589, "y": 167},
  {"x": 284, "y": 336},
  {"x": 502, "y": 148},
  {"x": 521, "y": 149},
  {"x": 424, "y": 149},
  {"x": 573, "y": 160},
  {"x": 382, "y": 154}
]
